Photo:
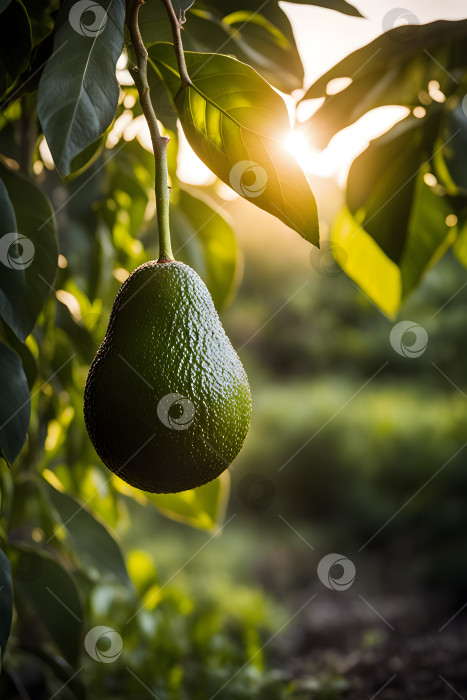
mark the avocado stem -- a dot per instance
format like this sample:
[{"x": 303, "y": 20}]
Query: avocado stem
[{"x": 159, "y": 142}]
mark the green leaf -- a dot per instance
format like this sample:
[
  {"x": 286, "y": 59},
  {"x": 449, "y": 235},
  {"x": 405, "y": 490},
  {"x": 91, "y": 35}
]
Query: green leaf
[
  {"x": 12, "y": 280},
  {"x": 388, "y": 48},
  {"x": 247, "y": 35},
  {"x": 29, "y": 260},
  {"x": 427, "y": 237},
  {"x": 389, "y": 71},
  {"x": 62, "y": 670},
  {"x": 6, "y": 602},
  {"x": 41, "y": 14},
  {"x": 381, "y": 184},
  {"x": 450, "y": 148},
  {"x": 15, "y": 43},
  {"x": 256, "y": 32},
  {"x": 86, "y": 158},
  {"x": 235, "y": 121},
  {"x": 155, "y": 24},
  {"x": 203, "y": 507},
  {"x": 94, "y": 545},
  {"x": 460, "y": 245},
  {"x": 8, "y": 218},
  {"x": 266, "y": 48},
  {"x": 50, "y": 593},
  {"x": 202, "y": 238},
  {"x": 27, "y": 358},
  {"x": 78, "y": 90},
  {"x": 15, "y": 404},
  {"x": 338, "y": 5}
]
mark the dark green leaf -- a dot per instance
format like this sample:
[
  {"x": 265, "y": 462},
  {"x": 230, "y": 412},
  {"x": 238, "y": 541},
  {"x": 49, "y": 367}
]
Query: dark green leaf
[
  {"x": 6, "y": 601},
  {"x": 235, "y": 121},
  {"x": 27, "y": 358},
  {"x": 13, "y": 277},
  {"x": 338, "y": 5},
  {"x": 8, "y": 218},
  {"x": 29, "y": 260},
  {"x": 15, "y": 43},
  {"x": 426, "y": 237},
  {"x": 78, "y": 91},
  {"x": 62, "y": 670},
  {"x": 381, "y": 184},
  {"x": 247, "y": 35},
  {"x": 50, "y": 593},
  {"x": 400, "y": 86},
  {"x": 78, "y": 334},
  {"x": 451, "y": 147},
  {"x": 204, "y": 239},
  {"x": 428, "y": 234},
  {"x": 29, "y": 505},
  {"x": 15, "y": 404},
  {"x": 257, "y": 33},
  {"x": 86, "y": 158},
  {"x": 155, "y": 24},
  {"x": 388, "y": 49},
  {"x": 460, "y": 245},
  {"x": 40, "y": 14},
  {"x": 96, "y": 548},
  {"x": 266, "y": 48}
]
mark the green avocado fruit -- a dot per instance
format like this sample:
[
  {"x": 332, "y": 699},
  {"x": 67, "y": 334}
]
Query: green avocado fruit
[{"x": 167, "y": 402}]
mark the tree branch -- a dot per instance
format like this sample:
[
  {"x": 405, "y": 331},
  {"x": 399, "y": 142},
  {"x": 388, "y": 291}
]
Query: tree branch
[
  {"x": 159, "y": 142},
  {"x": 176, "y": 26}
]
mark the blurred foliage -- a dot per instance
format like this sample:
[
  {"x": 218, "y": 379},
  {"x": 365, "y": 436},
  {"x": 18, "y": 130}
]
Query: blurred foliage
[
  {"x": 345, "y": 431},
  {"x": 406, "y": 194}
]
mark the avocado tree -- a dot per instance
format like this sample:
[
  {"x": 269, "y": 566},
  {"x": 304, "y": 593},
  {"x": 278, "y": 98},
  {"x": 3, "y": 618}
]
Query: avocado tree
[{"x": 78, "y": 82}]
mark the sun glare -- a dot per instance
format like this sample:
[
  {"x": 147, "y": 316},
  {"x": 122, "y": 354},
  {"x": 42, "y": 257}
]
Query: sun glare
[
  {"x": 332, "y": 162},
  {"x": 335, "y": 160}
]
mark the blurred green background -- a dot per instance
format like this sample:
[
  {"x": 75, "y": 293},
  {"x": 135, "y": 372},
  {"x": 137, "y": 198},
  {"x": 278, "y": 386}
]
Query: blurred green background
[
  {"x": 347, "y": 437},
  {"x": 353, "y": 449}
]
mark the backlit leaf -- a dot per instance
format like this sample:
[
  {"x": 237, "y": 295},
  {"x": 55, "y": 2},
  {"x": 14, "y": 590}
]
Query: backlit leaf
[
  {"x": 427, "y": 237},
  {"x": 203, "y": 507},
  {"x": 236, "y": 124}
]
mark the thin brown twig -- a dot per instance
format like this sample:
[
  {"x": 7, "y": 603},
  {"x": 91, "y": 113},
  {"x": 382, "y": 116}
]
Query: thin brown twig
[{"x": 177, "y": 26}]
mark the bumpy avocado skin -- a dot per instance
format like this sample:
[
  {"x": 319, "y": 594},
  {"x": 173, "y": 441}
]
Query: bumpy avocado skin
[{"x": 165, "y": 338}]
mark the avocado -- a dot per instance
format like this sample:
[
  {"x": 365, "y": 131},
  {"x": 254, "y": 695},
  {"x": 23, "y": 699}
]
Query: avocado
[{"x": 167, "y": 402}]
